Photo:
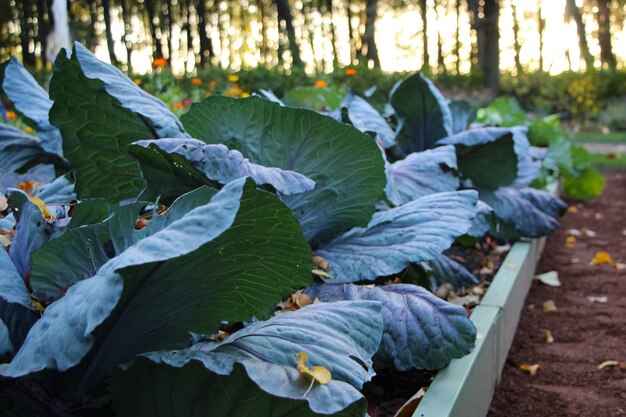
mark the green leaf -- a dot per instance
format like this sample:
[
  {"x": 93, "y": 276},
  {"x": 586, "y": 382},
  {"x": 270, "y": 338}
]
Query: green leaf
[
  {"x": 345, "y": 164},
  {"x": 192, "y": 391},
  {"x": 503, "y": 111},
  {"x": 422, "y": 113},
  {"x": 487, "y": 156},
  {"x": 100, "y": 112},
  {"x": 314, "y": 98},
  {"x": 229, "y": 260},
  {"x": 585, "y": 186},
  {"x": 463, "y": 113}
]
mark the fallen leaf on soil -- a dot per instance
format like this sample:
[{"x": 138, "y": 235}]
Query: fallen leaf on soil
[
  {"x": 620, "y": 266},
  {"x": 574, "y": 232},
  {"x": 586, "y": 214},
  {"x": 576, "y": 260},
  {"x": 444, "y": 291},
  {"x": 320, "y": 263},
  {"x": 321, "y": 273},
  {"x": 549, "y": 337},
  {"x": 465, "y": 300},
  {"x": 598, "y": 216},
  {"x": 601, "y": 300},
  {"x": 572, "y": 209},
  {"x": 570, "y": 241},
  {"x": 549, "y": 307},
  {"x": 531, "y": 306},
  {"x": 602, "y": 258},
  {"x": 624, "y": 232},
  {"x": 409, "y": 407},
  {"x": 503, "y": 249},
  {"x": 531, "y": 369},
  {"x": 588, "y": 232},
  {"x": 606, "y": 364},
  {"x": 549, "y": 278}
]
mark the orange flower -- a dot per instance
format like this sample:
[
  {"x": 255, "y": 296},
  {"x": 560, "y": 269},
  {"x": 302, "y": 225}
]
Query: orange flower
[
  {"x": 11, "y": 115},
  {"x": 212, "y": 83},
  {"x": 207, "y": 94},
  {"x": 196, "y": 81},
  {"x": 350, "y": 71},
  {"x": 233, "y": 78},
  {"x": 178, "y": 106},
  {"x": 160, "y": 62},
  {"x": 137, "y": 81},
  {"x": 321, "y": 84}
]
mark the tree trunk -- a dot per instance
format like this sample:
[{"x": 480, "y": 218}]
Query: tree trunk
[
  {"x": 205, "y": 41},
  {"x": 426, "y": 56},
  {"x": 333, "y": 37},
  {"x": 170, "y": 26},
  {"x": 264, "y": 53},
  {"x": 457, "y": 44},
  {"x": 26, "y": 18},
  {"x": 43, "y": 28},
  {"x": 441, "y": 64},
  {"x": 350, "y": 32},
  {"x": 369, "y": 51},
  {"x": 128, "y": 44},
  {"x": 157, "y": 50},
  {"x": 516, "y": 44},
  {"x": 284, "y": 14},
  {"x": 472, "y": 8},
  {"x": 574, "y": 13},
  {"x": 604, "y": 34},
  {"x": 485, "y": 17},
  {"x": 542, "y": 27},
  {"x": 106, "y": 6}
]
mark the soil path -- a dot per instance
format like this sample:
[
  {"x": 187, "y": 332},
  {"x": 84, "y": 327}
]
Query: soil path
[{"x": 586, "y": 332}]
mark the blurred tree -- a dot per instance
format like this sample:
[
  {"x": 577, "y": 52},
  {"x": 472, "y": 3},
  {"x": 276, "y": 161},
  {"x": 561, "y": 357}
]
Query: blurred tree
[
  {"x": 106, "y": 11},
  {"x": 425, "y": 55},
  {"x": 603, "y": 17},
  {"x": 207, "y": 53},
  {"x": 284, "y": 15},
  {"x": 485, "y": 22},
  {"x": 157, "y": 49},
  {"x": 516, "y": 44},
  {"x": 369, "y": 51},
  {"x": 573, "y": 12}
]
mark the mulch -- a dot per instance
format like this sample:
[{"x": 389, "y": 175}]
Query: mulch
[{"x": 586, "y": 332}]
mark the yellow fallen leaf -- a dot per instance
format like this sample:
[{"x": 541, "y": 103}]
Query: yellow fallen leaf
[
  {"x": 300, "y": 299},
  {"x": 570, "y": 241},
  {"x": 602, "y": 258},
  {"x": 572, "y": 209},
  {"x": 317, "y": 373},
  {"x": 45, "y": 213},
  {"x": 549, "y": 337},
  {"x": 531, "y": 369},
  {"x": 321, "y": 273},
  {"x": 28, "y": 186},
  {"x": 549, "y": 307},
  {"x": 606, "y": 364},
  {"x": 320, "y": 263}
]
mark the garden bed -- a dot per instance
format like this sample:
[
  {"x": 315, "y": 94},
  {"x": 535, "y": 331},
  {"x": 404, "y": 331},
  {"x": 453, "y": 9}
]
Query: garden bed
[{"x": 466, "y": 386}]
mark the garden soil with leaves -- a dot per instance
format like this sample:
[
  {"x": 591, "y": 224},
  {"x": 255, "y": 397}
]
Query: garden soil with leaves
[{"x": 588, "y": 329}]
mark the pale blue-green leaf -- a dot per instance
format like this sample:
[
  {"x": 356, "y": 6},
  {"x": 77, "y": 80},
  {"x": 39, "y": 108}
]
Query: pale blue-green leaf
[
  {"x": 422, "y": 173},
  {"x": 31, "y": 232},
  {"x": 422, "y": 113},
  {"x": 16, "y": 310},
  {"x": 447, "y": 270},
  {"x": 229, "y": 260},
  {"x": 527, "y": 167},
  {"x": 19, "y": 149},
  {"x": 129, "y": 94},
  {"x": 487, "y": 156},
  {"x": 367, "y": 119},
  {"x": 38, "y": 173},
  {"x": 522, "y": 212},
  {"x": 420, "y": 330},
  {"x": 269, "y": 95},
  {"x": 344, "y": 163},
  {"x": 340, "y": 336},
  {"x": 32, "y": 102},
  {"x": 463, "y": 114},
  {"x": 482, "y": 221},
  {"x": 169, "y": 391},
  {"x": 414, "y": 232},
  {"x": 61, "y": 190},
  {"x": 220, "y": 164},
  {"x": 6, "y": 347}
]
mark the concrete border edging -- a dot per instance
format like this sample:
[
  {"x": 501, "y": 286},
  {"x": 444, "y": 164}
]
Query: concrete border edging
[{"x": 465, "y": 387}]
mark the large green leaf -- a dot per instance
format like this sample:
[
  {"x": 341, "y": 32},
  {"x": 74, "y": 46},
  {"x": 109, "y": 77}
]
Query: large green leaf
[
  {"x": 345, "y": 164},
  {"x": 414, "y": 232},
  {"x": 422, "y": 113},
  {"x": 229, "y": 260},
  {"x": 420, "y": 330},
  {"x": 100, "y": 112},
  {"x": 340, "y": 336},
  {"x": 193, "y": 391},
  {"x": 31, "y": 101},
  {"x": 487, "y": 156}
]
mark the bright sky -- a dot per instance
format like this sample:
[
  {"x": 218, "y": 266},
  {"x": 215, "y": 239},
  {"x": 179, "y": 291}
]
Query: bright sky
[{"x": 398, "y": 37}]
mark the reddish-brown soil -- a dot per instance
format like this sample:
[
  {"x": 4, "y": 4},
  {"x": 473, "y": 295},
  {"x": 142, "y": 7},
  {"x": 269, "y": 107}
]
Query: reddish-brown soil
[{"x": 586, "y": 333}]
